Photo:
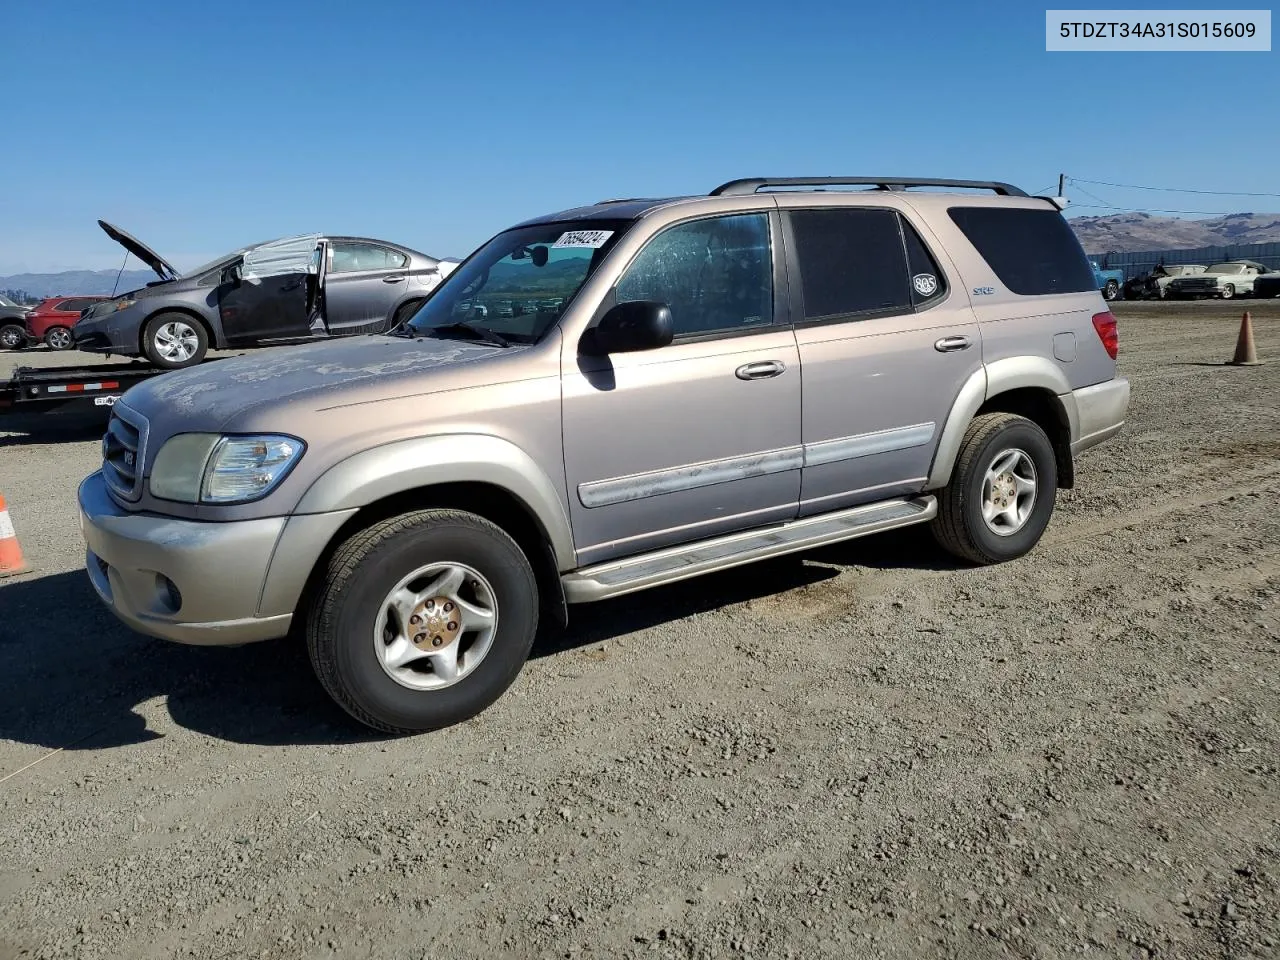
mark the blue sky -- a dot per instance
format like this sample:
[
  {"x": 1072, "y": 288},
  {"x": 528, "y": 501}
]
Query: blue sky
[{"x": 201, "y": 127}]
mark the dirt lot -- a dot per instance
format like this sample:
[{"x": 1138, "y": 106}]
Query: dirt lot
[{"x": 866, "y": 752}]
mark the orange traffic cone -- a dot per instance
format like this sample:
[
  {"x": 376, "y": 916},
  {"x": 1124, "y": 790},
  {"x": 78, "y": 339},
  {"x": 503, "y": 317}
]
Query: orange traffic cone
[
  {"x": 11, "y": 561},
  {"x": 1246, "y": 353}
]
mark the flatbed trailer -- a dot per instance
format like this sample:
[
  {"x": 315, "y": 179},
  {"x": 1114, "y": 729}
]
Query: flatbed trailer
[{"x": 61, "y": 389}]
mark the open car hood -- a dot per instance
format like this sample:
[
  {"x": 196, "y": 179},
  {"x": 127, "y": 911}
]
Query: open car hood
[{"x": 140, "y": 250}]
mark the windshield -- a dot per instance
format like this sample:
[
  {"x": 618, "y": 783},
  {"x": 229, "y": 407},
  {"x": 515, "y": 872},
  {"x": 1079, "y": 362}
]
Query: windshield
[
  {"x": 6, "y": 302},
  {"x": 1227, "y": 268},
  {"x": 222, "y": 261},
  {"x": 519, "y": 283}
]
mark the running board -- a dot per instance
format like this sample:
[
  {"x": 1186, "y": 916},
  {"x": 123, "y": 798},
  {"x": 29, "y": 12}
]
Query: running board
[{"x": 616, "y": 577}]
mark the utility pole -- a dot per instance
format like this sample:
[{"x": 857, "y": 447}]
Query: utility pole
[{"x": 1062, "y": 184}]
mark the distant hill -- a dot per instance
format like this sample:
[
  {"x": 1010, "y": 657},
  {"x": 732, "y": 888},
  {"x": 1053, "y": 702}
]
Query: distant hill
[
  {"x": 1124, "y": 232},
  {"x": 76, "y": 282}
]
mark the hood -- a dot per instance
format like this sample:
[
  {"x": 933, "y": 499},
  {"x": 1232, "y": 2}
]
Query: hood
[
  {"x": 140, "y": 250},
  {"x": 218, "y": 393}
]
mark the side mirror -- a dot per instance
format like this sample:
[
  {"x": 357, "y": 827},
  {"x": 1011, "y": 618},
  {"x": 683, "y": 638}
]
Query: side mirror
[
  {"x": 232, "y": 275},
  {"x": 628, "y": 327}
]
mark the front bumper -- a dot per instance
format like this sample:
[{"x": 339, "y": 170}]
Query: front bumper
[
  {"x": 1100, "y": 412},
  {"x": 218, "y": 570},
  {"x": 107, "y": 334}
]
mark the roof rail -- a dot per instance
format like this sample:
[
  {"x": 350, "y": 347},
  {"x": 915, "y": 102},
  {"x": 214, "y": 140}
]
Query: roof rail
[{"x": 750, "y": 185}]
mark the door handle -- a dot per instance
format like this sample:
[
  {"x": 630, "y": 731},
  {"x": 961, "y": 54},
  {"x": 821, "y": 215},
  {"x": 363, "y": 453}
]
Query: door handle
[
  {"x": 761, "y": 370},
  {"x": 950, "y": 344},
  {"x": 392, "y": 279}
]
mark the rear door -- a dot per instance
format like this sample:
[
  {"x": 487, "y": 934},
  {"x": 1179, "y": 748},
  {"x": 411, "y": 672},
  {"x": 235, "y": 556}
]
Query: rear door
[
  {"x": 886, "y": 338},
  {"x": 363, "y": 282}
]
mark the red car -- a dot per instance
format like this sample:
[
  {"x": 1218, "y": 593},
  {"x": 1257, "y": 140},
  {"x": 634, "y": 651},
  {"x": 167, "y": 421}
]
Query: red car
[{"x": 53, "y": 318}]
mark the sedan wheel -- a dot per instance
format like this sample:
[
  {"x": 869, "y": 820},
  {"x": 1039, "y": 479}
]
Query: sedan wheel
[
  {"x": 174, "y": 341},
  {"x": 1228, "y": 291}
]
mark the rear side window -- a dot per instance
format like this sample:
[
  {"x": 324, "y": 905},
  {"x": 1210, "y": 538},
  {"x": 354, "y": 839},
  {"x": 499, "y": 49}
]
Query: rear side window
[
  {"x": 927, "y": 282},
  {"x": 1033, "y": 252},
  {"x": 851, "y": 262},
  {"x": 71, "y": 306}
]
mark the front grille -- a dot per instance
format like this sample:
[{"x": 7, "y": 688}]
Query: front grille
[{"x": 123, "y": 448}]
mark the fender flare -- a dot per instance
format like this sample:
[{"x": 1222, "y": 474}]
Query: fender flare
[
  {"x": 991, "y": 380},
  {"x": 405, "y": 465}
]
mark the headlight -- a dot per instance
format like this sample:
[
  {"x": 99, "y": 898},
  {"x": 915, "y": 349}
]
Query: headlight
[
  {"x": 124, "y": 304},
  {"x": 209, "y": 468}
]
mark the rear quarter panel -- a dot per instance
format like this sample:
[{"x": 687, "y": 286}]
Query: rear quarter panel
[{"x": 1058, "y": 328}]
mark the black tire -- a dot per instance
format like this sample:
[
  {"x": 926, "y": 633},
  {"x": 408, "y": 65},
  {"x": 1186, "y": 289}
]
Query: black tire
[
  {"x": 185, "y": 321},
  {"x": 13, "y": 336},
  {"x": 58, "y": 338},
  {"x": 1111, "y": 291},
  {"x": 343, "y": 613},
  {"x": 959, "y": 526},
  {"x": 403, "y": 314}
]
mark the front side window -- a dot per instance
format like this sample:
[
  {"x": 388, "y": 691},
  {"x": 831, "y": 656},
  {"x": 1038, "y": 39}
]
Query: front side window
[
  {"x": 519, "y": 283},
  {"x": 716, "y": 274},
  {"x": 852, "y": 262},
  {"x": 360, "y": 257}
]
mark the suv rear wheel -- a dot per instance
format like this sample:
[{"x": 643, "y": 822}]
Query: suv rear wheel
[
  {"x": 1002, "y": 490},
  {"x": 423, "y": 620}
]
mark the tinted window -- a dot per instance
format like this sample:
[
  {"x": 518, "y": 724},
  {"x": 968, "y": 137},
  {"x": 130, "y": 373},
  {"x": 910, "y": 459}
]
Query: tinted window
[
  {"x": 928, "y": 285},
  {"x": 72, "y": 306},
  {"x": 851, "y": 261},
  {"x": 1033, "y": 252},
  {"x": 714, "y": 274},
  {"x": 356, "y": 257}
]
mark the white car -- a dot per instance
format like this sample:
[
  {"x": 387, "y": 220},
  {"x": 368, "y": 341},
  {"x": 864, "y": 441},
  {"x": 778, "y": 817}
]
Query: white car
[
  {"x": 1157, "y": 282},
  {"x": 1232, "y": 278}
]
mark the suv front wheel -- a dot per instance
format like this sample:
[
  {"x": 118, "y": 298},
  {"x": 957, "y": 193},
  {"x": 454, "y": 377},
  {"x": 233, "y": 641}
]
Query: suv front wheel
[
  {"x": 1002, "y": 490},
  {"x": 423, "y": 620}
]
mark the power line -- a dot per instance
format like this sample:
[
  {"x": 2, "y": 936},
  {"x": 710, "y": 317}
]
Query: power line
[
  {"x": 1136, "y": 186},
  {"x": 1111, "y": 206}
]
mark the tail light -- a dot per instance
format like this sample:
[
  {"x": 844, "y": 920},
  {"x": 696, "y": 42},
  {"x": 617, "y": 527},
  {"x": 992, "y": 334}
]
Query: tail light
[{"x": 1105, "y": 324}]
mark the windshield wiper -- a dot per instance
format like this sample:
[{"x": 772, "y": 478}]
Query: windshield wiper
[{"x": 481, "y": 333}]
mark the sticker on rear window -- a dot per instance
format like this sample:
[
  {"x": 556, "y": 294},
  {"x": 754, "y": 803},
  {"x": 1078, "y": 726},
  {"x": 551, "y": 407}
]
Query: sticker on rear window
[
  {"x": 925, "y": 283},
  {"x": 591, "y": 239}
]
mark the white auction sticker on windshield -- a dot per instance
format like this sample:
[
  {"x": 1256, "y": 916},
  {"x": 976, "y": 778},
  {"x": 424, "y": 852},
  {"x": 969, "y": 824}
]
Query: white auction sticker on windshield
[{"x": 591, "y": 239}]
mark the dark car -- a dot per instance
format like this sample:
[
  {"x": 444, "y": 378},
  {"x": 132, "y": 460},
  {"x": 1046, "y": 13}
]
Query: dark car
[
  {"x": 1267, "y": 286},
  {"x": 292, "y": 289},
  {"x": 52, "y": 319},
  {"x": 13, "y": 328}
]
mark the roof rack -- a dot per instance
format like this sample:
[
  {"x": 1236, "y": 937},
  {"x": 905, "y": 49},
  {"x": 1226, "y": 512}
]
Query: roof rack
[{"x": 750, "y": 185}]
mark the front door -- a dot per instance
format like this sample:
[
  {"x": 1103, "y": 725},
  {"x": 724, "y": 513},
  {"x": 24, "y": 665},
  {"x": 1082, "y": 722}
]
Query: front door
[
  {"x": 886, "y": 342},
  {"x": 265, "y": 297},
  {"x": 702, "y": 436},
  {"x": 362, "y": 284}
]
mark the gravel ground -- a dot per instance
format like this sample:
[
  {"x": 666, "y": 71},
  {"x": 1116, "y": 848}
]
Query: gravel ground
[{"x": 863, "y": 752}]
